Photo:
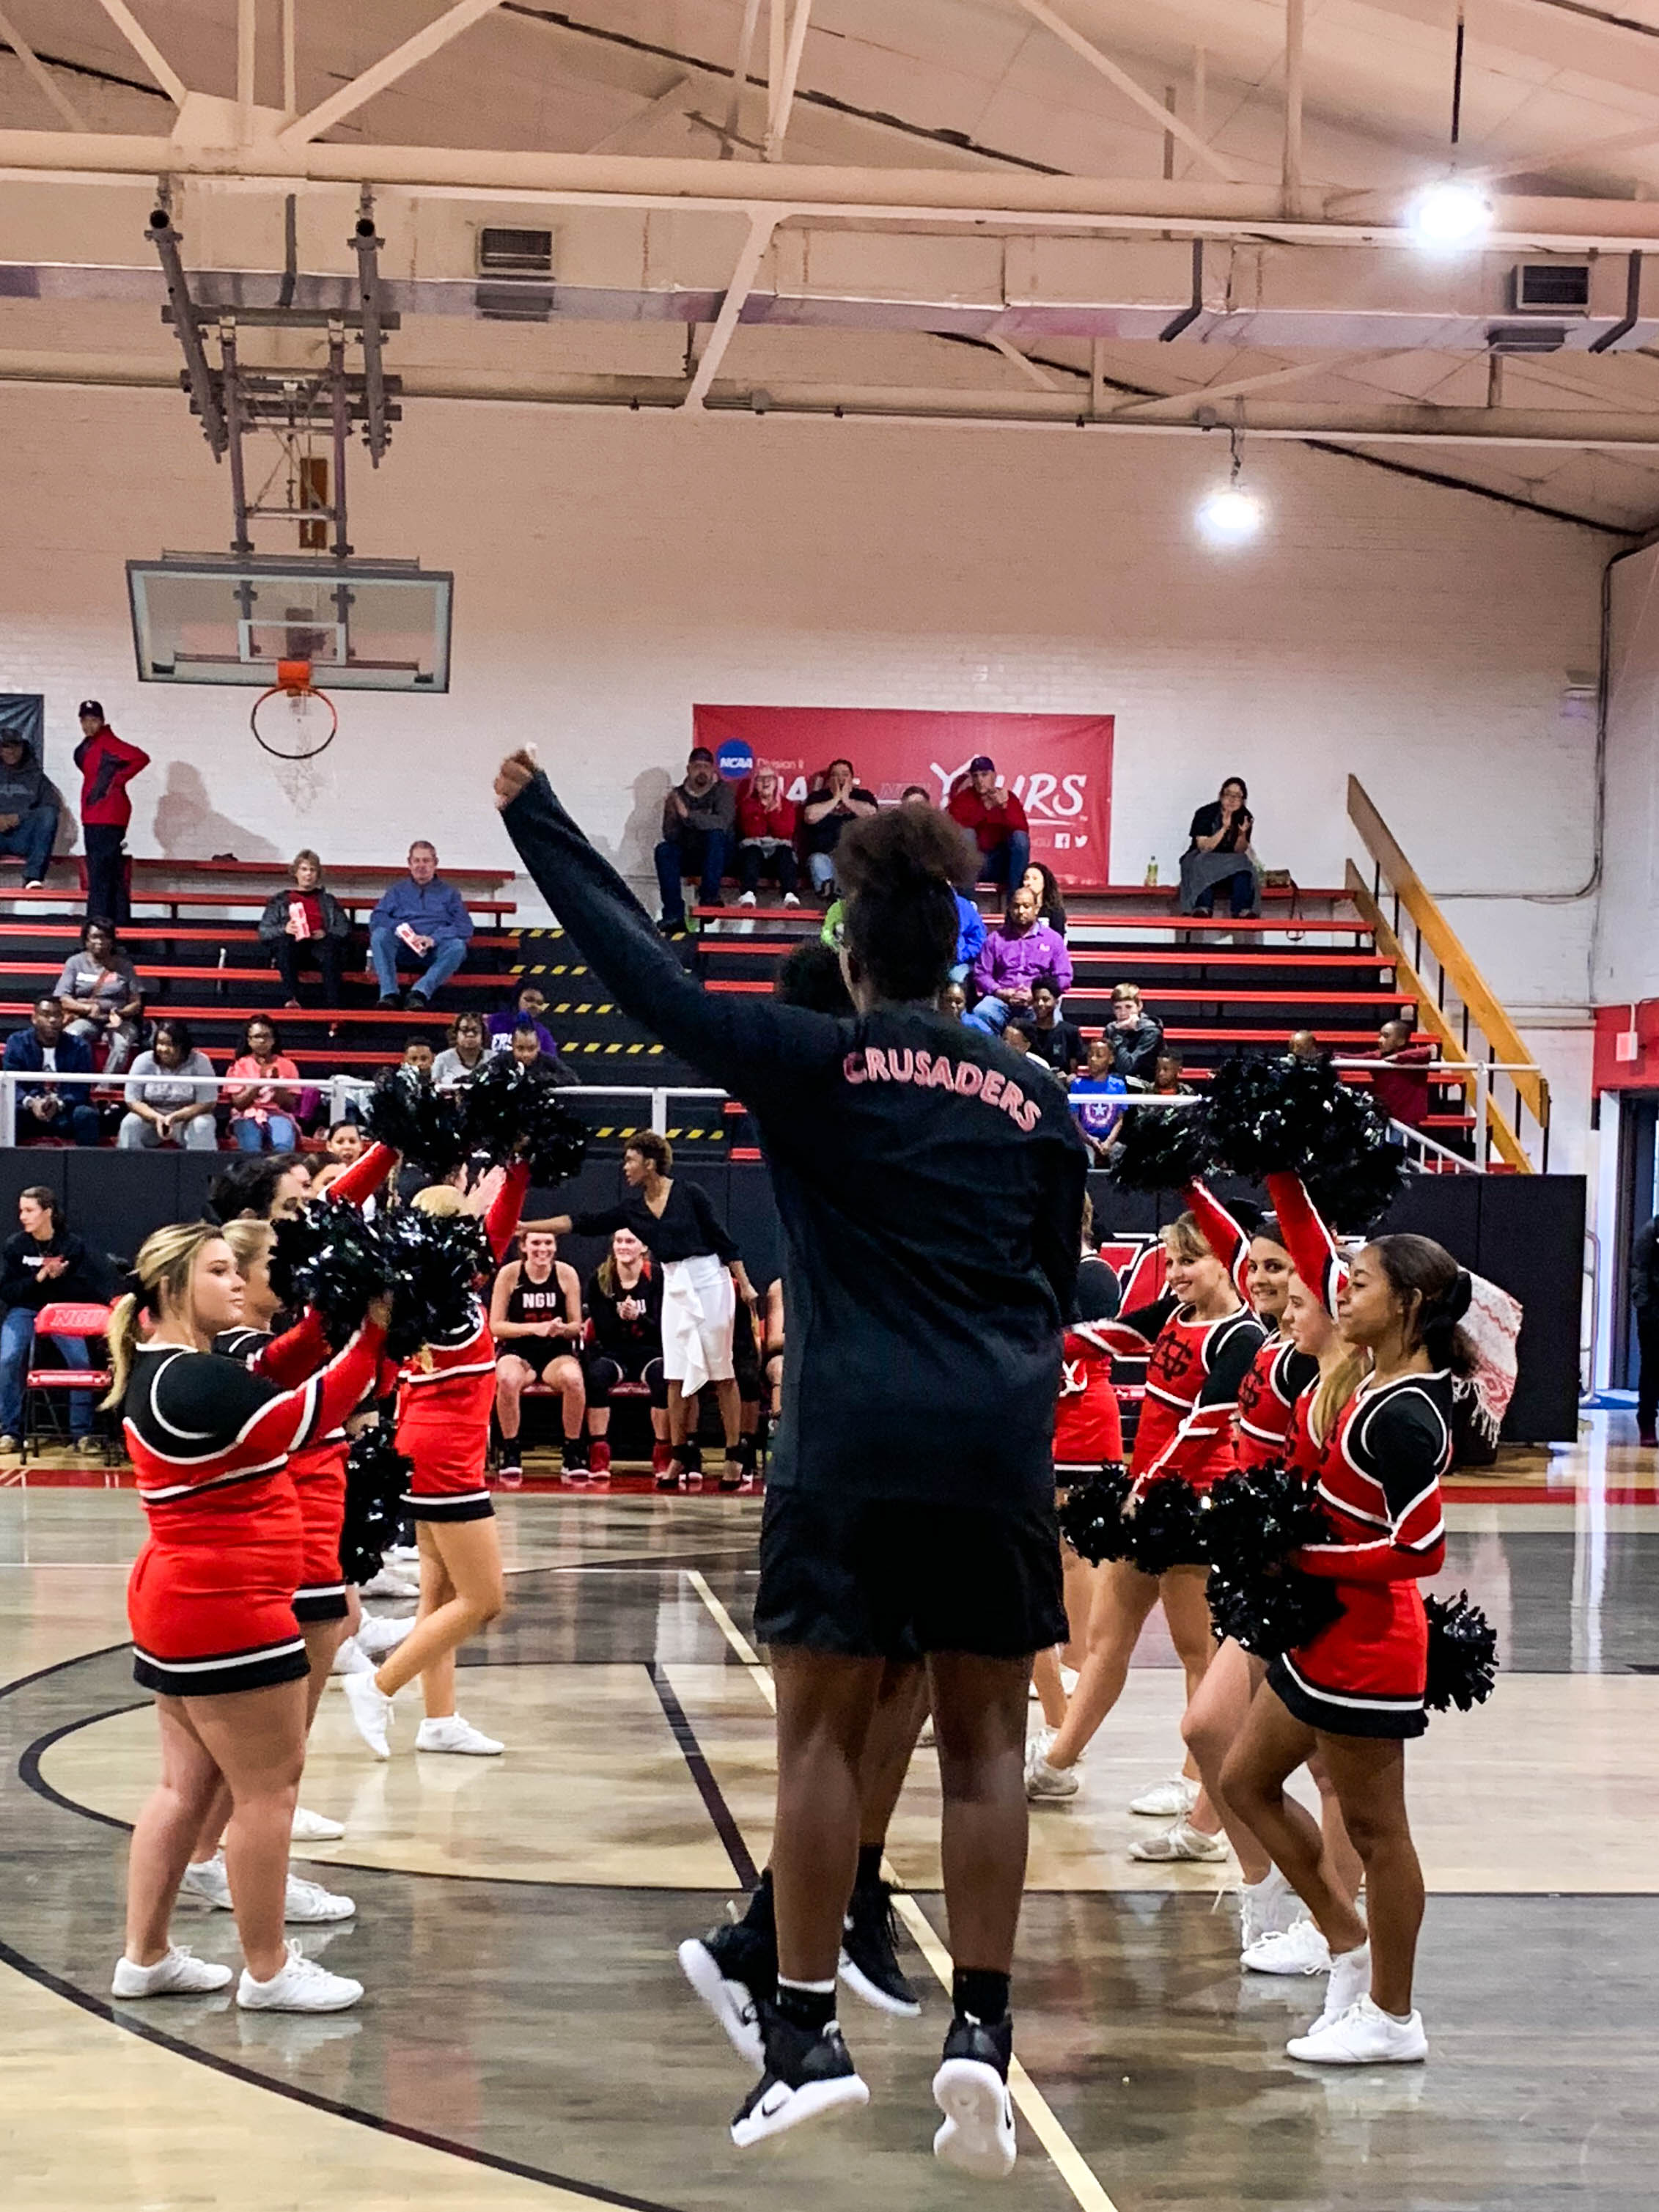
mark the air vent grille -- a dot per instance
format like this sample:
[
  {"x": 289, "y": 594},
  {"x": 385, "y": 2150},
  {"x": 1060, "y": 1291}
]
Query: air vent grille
[
  {"x": 1554, "y": 287},
  {"x": 515, "y": 253}
]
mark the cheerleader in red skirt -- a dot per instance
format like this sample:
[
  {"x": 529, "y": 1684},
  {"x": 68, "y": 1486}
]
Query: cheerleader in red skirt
[
  {"x": 446, "y": 1396},
  {"x": 1203, "y": 1338},
  {"x": 210, "y": 1603},
  {"x": 1355, "y": 1693},
  {"x": 1088, "y": 1434}
]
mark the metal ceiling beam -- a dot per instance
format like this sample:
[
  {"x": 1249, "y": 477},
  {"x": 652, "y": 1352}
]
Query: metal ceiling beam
[
  {"x": 1042, "y": 12},
  {"x": 1185, "y": 407},
  {"x": 387, "y": 71},
  {"x": 147, "y": 50},
  {"x": 740, "y": 76},
  {"x": 1291, "y": 164},
  {"x": 726, "y": 323},
  {"x": 1032, "y": 371},
  {"x": 781, "y": 100},
  {"x": 44, "y": 79}
]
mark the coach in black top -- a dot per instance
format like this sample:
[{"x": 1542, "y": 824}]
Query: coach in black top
[{"x": 930, "y": 1188}]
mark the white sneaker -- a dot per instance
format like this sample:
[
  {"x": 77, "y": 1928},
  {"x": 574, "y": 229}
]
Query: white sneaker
[
  {"x": 976, "y": 2135},
  {"x": 1351, "y": 1980},
  {"x": 1046, "y": 1784},
  {"x": 1298, "y": 1950},
  {"x": 351, "y": 1659},
  {"x": 315, "y": 1827},
  {"x": 178, "y": 1975},
  {"x": 392, "y": 1581},
  {"x": 207, "y": 1879},
  {"x": 402, "y": 1555},
  {"x": 789, "y": 899},
  {"x": 1266, "y": 1907},
  {"x": 1166, "y": 1801},
  {"x": 1362, "y": 2036},
  {"x": 454, "y": 1733},
  {"x": 372, "y": 1710},
  {"x": 301, "y": 1986},
  {"x": 309, "y": 1902},
  {"x": 748, "y": 899},
  {"x": 377, "y": 1636},
  {"x": 1182, "y": 1842}
]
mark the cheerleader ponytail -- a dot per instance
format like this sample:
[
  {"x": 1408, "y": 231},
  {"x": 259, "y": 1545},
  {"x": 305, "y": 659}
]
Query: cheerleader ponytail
[
  {"x": 161, "y": 1275},
  {"x": 123, "y": 1343}
]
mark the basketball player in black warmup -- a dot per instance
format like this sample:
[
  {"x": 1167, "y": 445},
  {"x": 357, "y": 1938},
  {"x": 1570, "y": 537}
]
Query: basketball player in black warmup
[
  {"x": 536, "y": 1319},
  {"x": 930, "y": 1186}
]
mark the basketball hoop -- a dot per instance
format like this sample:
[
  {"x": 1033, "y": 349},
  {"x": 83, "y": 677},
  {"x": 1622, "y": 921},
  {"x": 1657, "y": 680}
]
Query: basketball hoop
[{"x": 293, "y": 720}]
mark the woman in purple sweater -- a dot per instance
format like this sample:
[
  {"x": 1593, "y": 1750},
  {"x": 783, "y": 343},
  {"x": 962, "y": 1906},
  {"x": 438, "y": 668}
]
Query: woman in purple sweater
[{"x": 1013, "y": 957}]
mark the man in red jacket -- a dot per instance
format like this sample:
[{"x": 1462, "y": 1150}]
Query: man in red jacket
[
  {"x": 108, "y": 765},
  {"x": 998, "y": 822}
]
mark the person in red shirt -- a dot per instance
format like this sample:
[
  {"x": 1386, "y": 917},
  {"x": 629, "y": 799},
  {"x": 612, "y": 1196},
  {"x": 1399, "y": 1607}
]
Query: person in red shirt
[
  {"x": 997, "y": 822},
  {"x": 766, "y": 837},
  {"x": 108, "y": 765},
  {"x": 1401, "y": 1089}
]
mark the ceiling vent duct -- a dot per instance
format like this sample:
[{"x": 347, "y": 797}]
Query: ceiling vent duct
[
  {"x": 515, "y": 253},
  {"x": 1526, "y": 337},
  {"x": 1550, "y": 287},
  {"x": 514, "y": 303}
]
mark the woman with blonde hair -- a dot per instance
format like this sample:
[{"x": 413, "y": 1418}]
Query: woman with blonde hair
[{"x": 210, "y": 1603}]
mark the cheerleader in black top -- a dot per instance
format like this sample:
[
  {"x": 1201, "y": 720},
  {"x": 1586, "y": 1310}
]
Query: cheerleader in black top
[
  {"x": 930, "y": 1190},
  {"x": 210, "y": 1601},
  {"x": 1355, "y": 1693}
]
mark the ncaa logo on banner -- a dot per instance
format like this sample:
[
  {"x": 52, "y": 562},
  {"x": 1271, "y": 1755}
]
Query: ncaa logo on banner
[{"x": 735, "y": 759}]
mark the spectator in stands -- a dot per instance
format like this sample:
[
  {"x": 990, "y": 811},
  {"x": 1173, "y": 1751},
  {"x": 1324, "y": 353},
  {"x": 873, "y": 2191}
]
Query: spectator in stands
[
  {"x": 997, "y": 821},
  {"x": 811, "y": 976},
  {"x": 1051, "y": 908},
  {"x": 1401, "y": 1089},
  {"x": 307, "y": 923},
  {"x": 953, "y": 1001},
  {"x": 699, "y": 825},
  {"x": 1304, "y": 1045},
  {"x": 100, "y": 995},
  {"x": 1093, "y": 1094},
  {"x": 43, "y": 1110},
  {"x": 418, "y": 1057},
  {"x": 1220, "y": 853},
  {"x": 260, "y": 1186},
  {"x": 1135, "y": 1038},
  {"x": 1168, "y": 1076},
  {"x": 1057, "y": 1043},
  {"x": 421, "y": 922},
  {"x": 536, "y": 1318},
  {"x": 837, "y": 798},
  {"x": 170, "y": 1095},
  {"x": 268, "y": 1091},
  {"x": 1016, "y": 954},
  {"x": 547, "y": 1068},
  {"x": 766, "y": 837},
  {"x": 464, "y": 1053},
  {"x": 108, "y": 765},
  {"x": 43, "y": 1264},
  {"x": 1644, "y": 1297},
  {"x": 29, "y": 808},
  {"x": 529, "y": 1006},
  {"x": 344, "y": 1143},
  {"x": 624, "y": 1309},
  {"x": 1017, "y": 1033}
]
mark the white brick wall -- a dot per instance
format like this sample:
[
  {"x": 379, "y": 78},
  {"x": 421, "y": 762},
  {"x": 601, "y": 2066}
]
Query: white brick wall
[{"x": 613, "y": 569}]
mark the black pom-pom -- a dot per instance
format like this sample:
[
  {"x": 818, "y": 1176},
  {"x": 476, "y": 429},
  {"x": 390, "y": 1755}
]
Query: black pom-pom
[
  {"x": 1161, "y": 1148},
  {"x": 511, "y": 1113},
  {"x": 1271, "y": 1612},
  {"x": 1463, "y": 1654},
  {"x": 1251, "y": 1522},
  {"x": 433, "y": 1262},
  {"x": 1301, "y": 1118},
  {"x": 328, "y": 1257},
  {"x": 1164, "y": 1527},
  {"x": 427, "y": 1124},
  {"x": 1091, "y": 1519},
  {"x": 377, "y": 1475}
]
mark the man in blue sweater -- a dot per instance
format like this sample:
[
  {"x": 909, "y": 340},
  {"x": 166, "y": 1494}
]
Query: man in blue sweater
[
  {"x": 420, "y": 922},
  {"x": 43, "y": 1110}
]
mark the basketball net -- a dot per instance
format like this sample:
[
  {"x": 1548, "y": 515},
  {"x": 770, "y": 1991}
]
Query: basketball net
[{"x": 304, "y": 783}]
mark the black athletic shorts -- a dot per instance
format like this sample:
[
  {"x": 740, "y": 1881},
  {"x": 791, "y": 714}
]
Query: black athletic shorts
[{"x": 895, "y": 1579}]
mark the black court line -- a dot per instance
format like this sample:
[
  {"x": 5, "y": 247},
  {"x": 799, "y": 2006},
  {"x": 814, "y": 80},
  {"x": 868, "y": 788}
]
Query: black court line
[
  {"x": 28, "y": 1766},
  {"x": 708, "y": 1789}
]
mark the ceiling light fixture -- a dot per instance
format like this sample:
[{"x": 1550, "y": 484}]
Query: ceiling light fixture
[
  {"x": 1230, "y": 515},
  {"x": 1449, "y": 214}
]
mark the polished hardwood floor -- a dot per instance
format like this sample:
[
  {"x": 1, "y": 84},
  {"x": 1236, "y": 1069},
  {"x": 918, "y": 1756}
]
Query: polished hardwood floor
[{"x": 527, "y": 2040}]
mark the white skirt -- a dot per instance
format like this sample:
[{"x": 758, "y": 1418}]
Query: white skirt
[{"x": 699, "y": 1303}]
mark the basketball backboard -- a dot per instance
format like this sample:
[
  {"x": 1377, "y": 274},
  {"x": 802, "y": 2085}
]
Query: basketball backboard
[{"x": 362, "y": 625}]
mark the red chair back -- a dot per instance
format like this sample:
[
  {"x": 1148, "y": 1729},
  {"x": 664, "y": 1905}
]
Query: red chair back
[{"x": 72, "y": 1319}]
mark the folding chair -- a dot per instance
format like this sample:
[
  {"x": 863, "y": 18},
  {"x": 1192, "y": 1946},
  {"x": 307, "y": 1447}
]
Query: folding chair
[{"x": 41, "y": 1385}]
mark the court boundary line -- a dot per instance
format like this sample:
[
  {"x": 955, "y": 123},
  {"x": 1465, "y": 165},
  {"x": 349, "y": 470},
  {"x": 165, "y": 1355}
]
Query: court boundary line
[
  {"x": 1068, "y": 2161},
  {"x": 725, "y": 1820}
]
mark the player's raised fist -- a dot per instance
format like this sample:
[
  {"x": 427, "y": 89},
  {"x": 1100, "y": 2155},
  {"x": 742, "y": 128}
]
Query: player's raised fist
[{"x": 515, "y": 774}]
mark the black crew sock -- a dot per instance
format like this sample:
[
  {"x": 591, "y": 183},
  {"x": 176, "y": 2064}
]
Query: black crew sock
[
  {"x": 759, "y": 1915},
  {"x": 869, "y": 1873},
  {"x": 978, "y": 1994},
  {"x": 804, "y": 2004}
]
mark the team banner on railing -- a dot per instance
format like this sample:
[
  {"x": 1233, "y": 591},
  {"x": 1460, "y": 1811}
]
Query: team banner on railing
[{"x": 1058, "y": 765}]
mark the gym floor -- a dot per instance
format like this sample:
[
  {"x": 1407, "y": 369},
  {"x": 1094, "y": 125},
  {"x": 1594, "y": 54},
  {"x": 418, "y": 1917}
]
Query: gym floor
[{"x": 527, "y": 2040}]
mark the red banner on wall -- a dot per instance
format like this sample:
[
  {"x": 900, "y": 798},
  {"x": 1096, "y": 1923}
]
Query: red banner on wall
[{"x": 1059, "y": 766}]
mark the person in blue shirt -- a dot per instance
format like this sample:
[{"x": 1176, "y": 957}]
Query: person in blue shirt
[
  {"x": 43, "y": 1110},
  {"x": 1093, "y": 1096},
  {"x": 421, "y": 922}
]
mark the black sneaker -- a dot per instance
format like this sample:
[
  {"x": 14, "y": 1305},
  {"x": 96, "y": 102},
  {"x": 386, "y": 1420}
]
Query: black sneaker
[
  {"x": 971, "y": 2089},
  {"x": 807, "y": 2074},
  {"x": 869, "y": 1953},
  {"x": 732, "y": 1969},
  {"x": 672, "y": 929},
  {"x": 574, "y": 1458}
]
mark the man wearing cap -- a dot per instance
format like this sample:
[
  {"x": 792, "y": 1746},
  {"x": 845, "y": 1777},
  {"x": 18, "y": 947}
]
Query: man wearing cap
[
  {"x": 698, "y": 819},
  {"x": 997, "y": 822},
  {"x": 108, "y": 765},
  {"x": 29, "y": 808}
]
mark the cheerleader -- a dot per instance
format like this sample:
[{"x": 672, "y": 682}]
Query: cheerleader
[
  {"x": 1355, "y": 1693},
  {"x": 1088, "y": 1434},
  {"x": 1204, "y": 1340},
  {"x": 445, "y": 1394},
  {"x": 210, "y": 1603}
]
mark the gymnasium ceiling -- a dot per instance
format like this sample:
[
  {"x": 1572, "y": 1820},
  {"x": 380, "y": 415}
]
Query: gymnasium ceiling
[{"x": 1034, "y": 257}]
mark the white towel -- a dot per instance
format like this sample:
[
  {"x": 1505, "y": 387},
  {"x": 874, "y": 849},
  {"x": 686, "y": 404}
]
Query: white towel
[{"x": 698, "y": 1305}]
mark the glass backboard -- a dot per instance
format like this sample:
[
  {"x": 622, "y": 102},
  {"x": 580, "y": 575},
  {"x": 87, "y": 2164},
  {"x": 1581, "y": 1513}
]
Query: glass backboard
[{"x": 363, "y": 625}]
